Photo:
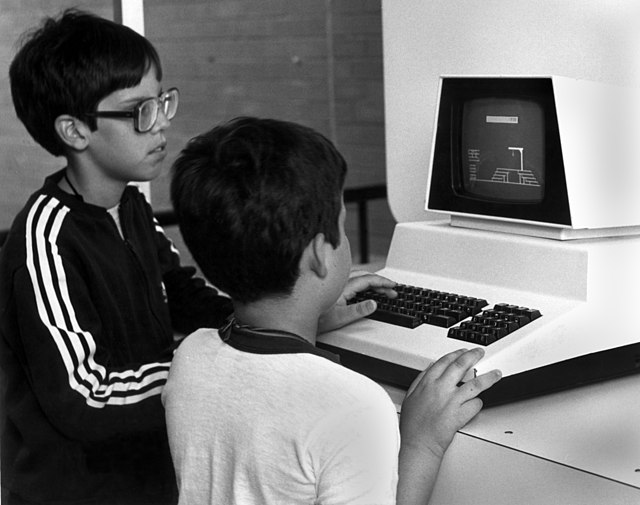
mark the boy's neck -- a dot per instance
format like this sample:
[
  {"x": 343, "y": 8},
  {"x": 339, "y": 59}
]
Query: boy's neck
[
  {"x": 279, "y": 314},
  {"x": 102, "y": 192}
]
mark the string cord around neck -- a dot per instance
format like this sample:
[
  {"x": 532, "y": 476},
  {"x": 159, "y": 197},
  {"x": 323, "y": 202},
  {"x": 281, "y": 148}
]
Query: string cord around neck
[{"x": 66, "y": 178}]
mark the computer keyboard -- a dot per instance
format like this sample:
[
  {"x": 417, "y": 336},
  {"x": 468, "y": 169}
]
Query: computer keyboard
[{"x": 465, "y": 316}]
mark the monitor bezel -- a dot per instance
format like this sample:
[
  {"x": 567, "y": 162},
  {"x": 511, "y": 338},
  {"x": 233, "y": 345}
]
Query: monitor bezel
[{"x": 445, "y": 188}]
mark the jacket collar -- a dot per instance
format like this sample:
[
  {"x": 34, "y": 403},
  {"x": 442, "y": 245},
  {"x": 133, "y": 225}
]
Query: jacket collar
[{"x": 74, "y": 202}]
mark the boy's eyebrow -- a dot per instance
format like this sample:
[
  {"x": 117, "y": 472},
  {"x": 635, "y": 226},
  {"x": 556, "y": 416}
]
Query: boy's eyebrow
[{"x": 132, "y": 101}]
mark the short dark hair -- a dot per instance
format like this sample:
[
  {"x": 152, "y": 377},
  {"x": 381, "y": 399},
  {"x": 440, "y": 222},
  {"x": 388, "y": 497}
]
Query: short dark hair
[
  {"x": 69, "y": 64},
  {"x": 250, "y": 195}
]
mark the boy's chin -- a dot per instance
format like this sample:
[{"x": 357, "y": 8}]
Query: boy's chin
[{"x": 150, "y": 175}]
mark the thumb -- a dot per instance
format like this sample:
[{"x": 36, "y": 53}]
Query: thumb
[
  {"x": 362, "y": 309},
  {"x": 341, "y": 315}
]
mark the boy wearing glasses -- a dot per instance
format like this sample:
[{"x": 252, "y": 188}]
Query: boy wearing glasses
[{"x": 91, "y": 290}]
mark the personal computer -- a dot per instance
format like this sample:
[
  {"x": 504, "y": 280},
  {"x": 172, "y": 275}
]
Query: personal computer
[{"x": 537, "y": 257}]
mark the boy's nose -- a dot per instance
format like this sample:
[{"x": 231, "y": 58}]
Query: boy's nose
[{"x": 161, "y": 121}]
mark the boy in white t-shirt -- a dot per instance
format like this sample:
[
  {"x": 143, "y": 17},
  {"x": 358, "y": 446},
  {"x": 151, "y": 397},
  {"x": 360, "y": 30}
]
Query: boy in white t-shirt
[{"x": 256, "y": 413}]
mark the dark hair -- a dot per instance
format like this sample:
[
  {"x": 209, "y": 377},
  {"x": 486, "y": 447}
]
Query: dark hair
[
  {"x": 250, "y": 195},
  {"x": 69, "y": 64}
]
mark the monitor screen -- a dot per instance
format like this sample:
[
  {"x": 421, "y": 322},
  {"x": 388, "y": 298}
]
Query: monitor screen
[
  {"x": 502, "y": 148},
  {"x": 497, "y": 151}
]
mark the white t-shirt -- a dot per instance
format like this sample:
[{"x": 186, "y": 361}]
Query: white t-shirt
[
  {"x": 115, "y": 214},
  {"x": 279, "y": 429}
]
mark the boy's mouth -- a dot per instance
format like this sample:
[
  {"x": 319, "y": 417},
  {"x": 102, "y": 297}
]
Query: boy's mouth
[{"x": 160, "y": 149}]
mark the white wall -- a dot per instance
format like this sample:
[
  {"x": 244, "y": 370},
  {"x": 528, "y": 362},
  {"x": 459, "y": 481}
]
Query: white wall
[{"x": 423, "y": 39}]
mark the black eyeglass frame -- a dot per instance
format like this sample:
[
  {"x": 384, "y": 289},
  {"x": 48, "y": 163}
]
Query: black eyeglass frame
[{"x": 135, "y": 112}]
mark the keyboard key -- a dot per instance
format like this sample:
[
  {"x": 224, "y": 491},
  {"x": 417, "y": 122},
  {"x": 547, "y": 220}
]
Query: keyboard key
[
  {"x": 530, "y": 313},
  {"x": 458, "y": 315},
  {"x": 486, "y": 339},
  {"x": 494, "y": 331},
  {"x": 505, "y": 307},
  {"x": 508, "y": 326},
  {"x": 518, "y": 319},
  {"x": 404, "y": 320},
  {"x": 441, "y": 320}
]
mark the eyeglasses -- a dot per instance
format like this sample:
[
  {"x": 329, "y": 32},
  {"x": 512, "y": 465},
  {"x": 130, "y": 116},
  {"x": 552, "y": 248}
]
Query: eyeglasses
[{"x": 145, "y": 113}]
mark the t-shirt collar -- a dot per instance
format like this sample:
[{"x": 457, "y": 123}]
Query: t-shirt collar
[{"x": 267, "y": 341}]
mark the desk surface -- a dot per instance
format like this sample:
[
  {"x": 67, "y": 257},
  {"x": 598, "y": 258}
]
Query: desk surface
[
  {"x": 577, "y": 446},
  {"x": 594, "y": 429}
]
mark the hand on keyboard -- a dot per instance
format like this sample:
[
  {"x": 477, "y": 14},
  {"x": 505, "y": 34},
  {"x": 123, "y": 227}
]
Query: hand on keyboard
[{"x": 347, "y": 310}]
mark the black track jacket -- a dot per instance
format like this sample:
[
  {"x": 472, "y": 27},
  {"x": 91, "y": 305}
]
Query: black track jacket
[{"x": 87, "y": 324}]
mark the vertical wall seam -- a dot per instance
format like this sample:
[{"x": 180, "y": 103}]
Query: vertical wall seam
[{"x": 331, "y": 94}]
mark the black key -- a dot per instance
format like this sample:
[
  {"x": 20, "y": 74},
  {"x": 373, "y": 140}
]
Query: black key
[
  {"x": 457, "y": 333},
  {"x": 530, "y": 313},
  {"x": 474, "y": 337},
  {"x": 505, "y": 307},
  {"x": 462, "y": 308},
  {"x": 427, "y": 309},
  {"x": 477, "y": 303},
  {"x": 471, "y": 326},
  {"x": 509, "y": 326},
  {"x": 481, "y": 319},
  {"x": 440, "y": 320},
  {"x": 518, "y": 319},
  {"x": 473, "y": 305},
  {"x": 456, "y": 314},
  {"x": 401, "y": 288},
  {"x": 486, "y": 339},
  {"x": 404, "y": 320},
  {"x": 495, "y": 332}
]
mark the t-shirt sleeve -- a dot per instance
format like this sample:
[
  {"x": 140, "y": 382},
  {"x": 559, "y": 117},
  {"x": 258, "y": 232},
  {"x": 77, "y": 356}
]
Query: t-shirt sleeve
[{"x": 356, "y": 454}]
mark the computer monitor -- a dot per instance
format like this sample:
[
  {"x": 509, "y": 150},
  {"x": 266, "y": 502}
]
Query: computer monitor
[
  {"x": 502, "y": 154},
  {"x": 497, "y": 151}
]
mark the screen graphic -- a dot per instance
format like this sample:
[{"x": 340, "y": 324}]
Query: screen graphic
[{"x": 503, "y": 150}]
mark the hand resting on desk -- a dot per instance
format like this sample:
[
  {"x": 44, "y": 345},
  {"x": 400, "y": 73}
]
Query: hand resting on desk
[{"x": 435, "y": 408}]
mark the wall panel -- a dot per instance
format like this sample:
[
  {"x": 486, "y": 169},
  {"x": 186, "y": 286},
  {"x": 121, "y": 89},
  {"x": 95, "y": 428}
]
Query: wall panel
[
  {"x": 318, "y": 62},
  {"x": 311, "y": 61}
]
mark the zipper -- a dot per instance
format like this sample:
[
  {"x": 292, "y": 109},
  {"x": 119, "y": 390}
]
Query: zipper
[{"x": 139, "y": 266}]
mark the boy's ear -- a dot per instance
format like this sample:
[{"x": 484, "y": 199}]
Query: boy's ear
[
  {"x": 72, "y": 131},
  {"x": 318, "y": 256}
]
